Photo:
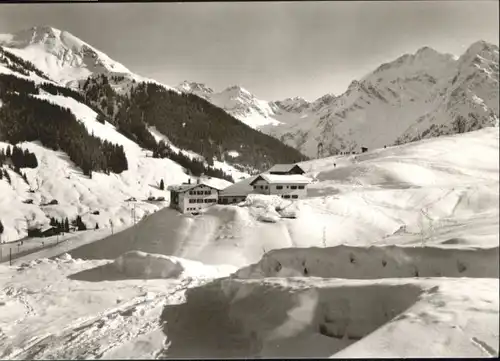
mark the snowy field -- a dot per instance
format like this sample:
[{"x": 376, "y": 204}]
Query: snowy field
[{"x": 394, "y": 253}]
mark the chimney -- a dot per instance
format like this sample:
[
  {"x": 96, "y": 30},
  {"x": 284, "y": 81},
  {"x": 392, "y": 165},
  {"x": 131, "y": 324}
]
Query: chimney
[
  {"x": 198, "y": 181},
  {"x": 189, "y": 181}
]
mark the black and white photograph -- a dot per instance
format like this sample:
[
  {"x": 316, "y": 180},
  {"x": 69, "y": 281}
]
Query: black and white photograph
[{"x": 223, "y": 179}]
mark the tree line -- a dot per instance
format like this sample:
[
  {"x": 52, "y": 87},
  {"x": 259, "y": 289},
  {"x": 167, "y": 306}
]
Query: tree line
[
  {"x": 26, "y": 118},
  {"x": 20, "y": 158},
  {"x": 190, "y": 123}
]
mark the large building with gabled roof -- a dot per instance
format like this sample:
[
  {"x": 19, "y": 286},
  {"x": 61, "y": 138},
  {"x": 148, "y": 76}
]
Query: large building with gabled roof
[
  {"x": 288, "y": 186},
  {"x": 192, "y": 197}
]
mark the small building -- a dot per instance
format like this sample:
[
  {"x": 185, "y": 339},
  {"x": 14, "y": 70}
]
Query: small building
[
  {"x": 364, "y": 149},
  {"x": 43, "y": 231},
  {"x": 236, "y": 192},
  {"x": 285, "y": 169},
  {"x": 292, "y": 186},
  {"x": 192, "y": 197}
]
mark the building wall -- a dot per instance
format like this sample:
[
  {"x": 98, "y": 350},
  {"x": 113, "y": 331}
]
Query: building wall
[
  {"x": 261, "y": 187},
  {"x": 231, "y": 199},
  {"x": 289, "y": 190},
  {"x": 193, "y": 201}
]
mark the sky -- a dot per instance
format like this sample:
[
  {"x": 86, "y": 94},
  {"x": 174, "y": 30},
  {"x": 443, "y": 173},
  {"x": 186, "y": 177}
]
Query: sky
[{"x": 275, "y": 49}]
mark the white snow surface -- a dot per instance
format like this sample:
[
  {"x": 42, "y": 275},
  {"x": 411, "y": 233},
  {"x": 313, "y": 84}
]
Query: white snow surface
[{"x": 146, "y": 265}]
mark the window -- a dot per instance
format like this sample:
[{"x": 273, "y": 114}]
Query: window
[
  {"x": 279, "y": 187},
  {"x": 301, "y": 187},
  {"x": 192, "y": 201},
  {"x": 266, "y": 187},
  {"x": 293, "y": 187},
  {"x": 200, "y": 193},
  {"x": 207, "y": 193},
  {"x": 294, "y": 196},
  {"x": 286, "y": 196},
  {"x": 199, "y": 201},
  {"x": 191, "y": 192}
]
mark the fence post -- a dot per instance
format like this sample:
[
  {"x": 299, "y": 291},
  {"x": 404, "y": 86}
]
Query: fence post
[{"x": 10, "y": 256}]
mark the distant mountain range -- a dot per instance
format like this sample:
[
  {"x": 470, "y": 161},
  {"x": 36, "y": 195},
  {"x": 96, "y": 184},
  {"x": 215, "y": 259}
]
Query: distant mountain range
[{"x": 416, "y": 96}]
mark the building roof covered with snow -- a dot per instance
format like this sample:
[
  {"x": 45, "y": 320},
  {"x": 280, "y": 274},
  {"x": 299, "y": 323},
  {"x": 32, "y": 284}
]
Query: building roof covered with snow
[
  {"x": 180, "y": 188},
  {"x": 282, "y": 179},
  {"x": 241, "y": 188},
  {"x": 286, "y": 168}
]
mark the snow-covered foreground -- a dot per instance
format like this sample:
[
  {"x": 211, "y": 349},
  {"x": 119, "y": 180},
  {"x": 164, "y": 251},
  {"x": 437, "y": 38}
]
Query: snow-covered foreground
[
  {"x": 319, "y": 317},
  {"x": 394, "y": 253},
  {"x": 59, "y": 309}
]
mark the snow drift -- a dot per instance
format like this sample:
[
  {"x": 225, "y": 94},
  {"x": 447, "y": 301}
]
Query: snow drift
[
  {"x": 314, "y": 317},
  {"x": 138, "y": 264},
  {"x": 376, "y": 262}
]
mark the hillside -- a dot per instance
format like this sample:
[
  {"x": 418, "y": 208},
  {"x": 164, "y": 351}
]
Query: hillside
[{"x": 189, "y": 122}]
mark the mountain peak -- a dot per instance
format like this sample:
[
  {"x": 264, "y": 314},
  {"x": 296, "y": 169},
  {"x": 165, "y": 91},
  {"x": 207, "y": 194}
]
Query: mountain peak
[
  {"x": 479, "y": 47},
  {"x": 59, "y": 54},
  {"x": 194, "y": 87},
  {"x": 236, "y": 89}
]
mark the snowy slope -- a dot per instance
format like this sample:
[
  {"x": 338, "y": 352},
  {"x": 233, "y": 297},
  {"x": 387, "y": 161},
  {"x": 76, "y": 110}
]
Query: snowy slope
[
  {"x": 57, "y": 178},
  {"x": 426, "y": 192}
]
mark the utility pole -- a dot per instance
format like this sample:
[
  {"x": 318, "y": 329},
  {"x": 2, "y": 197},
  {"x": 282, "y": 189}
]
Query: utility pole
[
  {"x": 132, "y": 213},
  {"x": 10, "y": 256}
]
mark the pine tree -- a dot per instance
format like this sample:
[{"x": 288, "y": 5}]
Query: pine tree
[
  {"x": 66, "y": 225},
  {"x": 7, "y": 176},
  {"x": 97, "y": 225},
  {"x": 1, "y": 227},
  {"x": 162, "y": 185}
]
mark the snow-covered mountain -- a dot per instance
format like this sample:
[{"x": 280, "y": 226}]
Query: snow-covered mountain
[
  {"x": 416, "y": 96},
  {"x": 65, "y": 58},
  {"x": 237, "y": 101}
]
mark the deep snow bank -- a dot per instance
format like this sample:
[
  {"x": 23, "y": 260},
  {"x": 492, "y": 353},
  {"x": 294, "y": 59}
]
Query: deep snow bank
[
  {"x": 313, "y": 317},
  {"x": 138, "y": 264},
  {"x": 376, "y": 262}
]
